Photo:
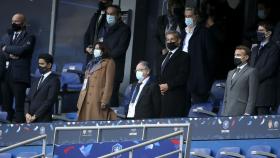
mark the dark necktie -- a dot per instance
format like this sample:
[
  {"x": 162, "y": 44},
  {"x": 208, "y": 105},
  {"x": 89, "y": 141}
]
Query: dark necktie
[
  {"x": 40, "y": 81},
  {"x": 236, "y": 72},
  {"x": 135, "y": 92},
  {"x": 260, "y": 48},
  {"x": 165, "y": 61}
]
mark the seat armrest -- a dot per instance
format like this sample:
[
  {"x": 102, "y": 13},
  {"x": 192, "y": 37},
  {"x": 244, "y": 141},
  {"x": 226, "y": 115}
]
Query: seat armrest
[
  {"x": 232, "y": 154},
  {"x": 200, "y": 155},
  {"x": 261, "y": 153}
]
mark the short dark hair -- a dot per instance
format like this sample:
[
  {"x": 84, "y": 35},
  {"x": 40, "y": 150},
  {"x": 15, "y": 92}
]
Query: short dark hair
[
  {"x": 47, "y": 57},
  {"x": 116, "y": 7},
  {"x": 267, "y": 25},
  {"x": 245, "y": 48},
  {"x": 193, "y": 9},
  {"x": 103, "y": 48},
  {"x": 176, "y": 33}
]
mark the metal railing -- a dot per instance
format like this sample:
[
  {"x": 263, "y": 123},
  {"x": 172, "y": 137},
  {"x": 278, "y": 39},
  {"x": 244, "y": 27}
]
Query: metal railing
[
  {"x": 179, "y": 126},
  {"x": 130, "y": 149},
  {"x": 41, "y": 137}
]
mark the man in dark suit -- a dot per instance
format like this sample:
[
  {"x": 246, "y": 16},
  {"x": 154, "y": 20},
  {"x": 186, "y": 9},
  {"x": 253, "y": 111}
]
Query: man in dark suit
[
  {"x": 241, "y": 86},
  {"x": 199, "y": 45},
  {"x": 116, "y": 36},
  {"x": 265, "y": 58},
  {"x": 17, "y": 45},
  {"x": 173, "y": 78},
  {"x": 97, "y": 21},
  {"x": 145, "y": 94},
  {"x": 43, "y": 92}
]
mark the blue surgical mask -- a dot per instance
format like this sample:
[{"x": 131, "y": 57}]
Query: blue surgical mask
[
  {"x": 97, "y": 53},
  {"x": 139, "y": 75},
  {"x": 189, "y": 21},
  {"x": 111, "y": 19}
]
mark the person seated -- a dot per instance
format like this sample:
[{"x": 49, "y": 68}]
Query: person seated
[
  {"x": 43, "y": 92},
  {"x": 145, "y": 95}
]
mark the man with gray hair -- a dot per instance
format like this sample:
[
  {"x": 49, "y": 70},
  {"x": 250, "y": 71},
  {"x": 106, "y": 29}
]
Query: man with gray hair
[
  {"x": 199, "y": 45},
  {"x": 145, "y": 94}
]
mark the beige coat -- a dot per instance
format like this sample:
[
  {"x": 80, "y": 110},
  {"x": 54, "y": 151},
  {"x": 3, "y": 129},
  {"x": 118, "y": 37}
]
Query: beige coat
[{"x": 98, "y": 90}]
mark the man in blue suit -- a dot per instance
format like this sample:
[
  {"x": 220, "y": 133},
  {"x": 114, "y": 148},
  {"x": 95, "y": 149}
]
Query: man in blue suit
[{"x": 17, "y": 45}]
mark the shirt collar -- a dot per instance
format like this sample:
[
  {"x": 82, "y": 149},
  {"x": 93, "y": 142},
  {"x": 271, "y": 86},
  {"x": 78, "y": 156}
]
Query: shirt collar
[
  {"x": 145, "y": 80},
  {"x": 174, "y": 50},
  {"x": 190, "y": 31},
  {"x": 264, "y": 43},
  {"x": 47, "y": 74},
  {"x": 242, "y": 66}
]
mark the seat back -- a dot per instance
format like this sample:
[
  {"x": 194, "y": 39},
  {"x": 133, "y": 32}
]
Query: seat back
[
  {"x": 262, "y": 148},
  {"x": 5, "y": 155},
  {"x": 201, "y": 151},
  {"x": 207, "y": 106},
  {"x": 236, "y": 150},
  {"x": 217, "y": 92},
  {"x": 26, "y": 154},
  {"x": 73, "y": 66}
]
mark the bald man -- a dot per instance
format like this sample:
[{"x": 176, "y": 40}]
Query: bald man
[{"x": 17, "y": 46}]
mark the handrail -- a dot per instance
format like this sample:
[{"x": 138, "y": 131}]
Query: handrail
[
  {"x": 130, "y": 149},
  {"x": 43, "y": 137}
]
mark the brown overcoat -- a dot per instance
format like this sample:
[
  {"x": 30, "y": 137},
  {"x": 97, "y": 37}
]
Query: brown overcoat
[{"x": 97, "y": 92}]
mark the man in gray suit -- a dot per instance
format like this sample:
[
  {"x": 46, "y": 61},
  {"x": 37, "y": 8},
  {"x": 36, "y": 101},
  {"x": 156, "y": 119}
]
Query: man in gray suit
[{"x": 241, "y": 86}]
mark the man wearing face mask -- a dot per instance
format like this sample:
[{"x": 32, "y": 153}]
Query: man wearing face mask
[
  {"x": 97, "y": 21},
  {"x": 17, "y": 46},
  {"x": 145, "y": 95},
  {"x": 201, "y": 48},
  {"x": 43, "y": 92},
  {"x": 116, "y": 36},
  {"x": 173, "y": 78},
  {"x": 265, "y": 58},
  {"x": 241, "y": 86}
]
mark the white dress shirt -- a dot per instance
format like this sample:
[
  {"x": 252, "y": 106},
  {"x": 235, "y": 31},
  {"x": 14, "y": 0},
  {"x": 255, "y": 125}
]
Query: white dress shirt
[
  {"x": 131, "y": 108},
  {"x": 189, "y": 33}
]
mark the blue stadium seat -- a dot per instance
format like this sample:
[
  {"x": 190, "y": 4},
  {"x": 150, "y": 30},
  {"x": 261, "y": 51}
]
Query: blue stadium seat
[
  {"x": 121, "y": 111},
  {"x": 200, "y": 153},
  {"x": 71, "y": 83},
  {"x": 217, "y": 92},
  {"x": 26, "y": 154},
  {"x": 202, "y": 110},
  {"x": 260, "y": 151},
  {"x": 229, "y": 152},
  {"x": 5, "y": 155},
  {"x": 3, "y": 116}
]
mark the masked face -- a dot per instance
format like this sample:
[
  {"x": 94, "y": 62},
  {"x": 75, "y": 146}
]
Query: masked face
[
  {"x": 139, "y": 75},
  {"x": 171, "y": 46},
  {"x": 111, "y": 19},
  {"x": 97, "y": 53},
  {"x": 237, "y": 61},
  {"x": 42, "y": 69},
  {"x": 172, "y": 42},
  {"x": 260, "y": 36},
  {"x": 189, "y": 21},
  {"x": 240, "y": 57},
  {"x": 16, "y": 27}
]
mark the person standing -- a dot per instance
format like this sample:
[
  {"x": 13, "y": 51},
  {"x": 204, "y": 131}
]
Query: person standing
[
  {"x": 265, "y": 58},
  {"x": 43, "y": 92},
  {"x": 93, "y": 102},
  {"x": 97, "y": 21},
  {"x": 173, "y": 79},
  {"x": 241, "y": 86},
  {"x": 17, "y": 45},
  {"x": 201, "y": 49}
]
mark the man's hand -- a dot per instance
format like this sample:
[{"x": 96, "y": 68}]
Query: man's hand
[
  {"x": 164, "y": 51},
  {"x": 4, "y": 48},
  {"x": 13, "y": 56},
  {"x": 28, "y": 118},
  {"x": 89, "y": 50},
  {"x": 163, "y": 88}
]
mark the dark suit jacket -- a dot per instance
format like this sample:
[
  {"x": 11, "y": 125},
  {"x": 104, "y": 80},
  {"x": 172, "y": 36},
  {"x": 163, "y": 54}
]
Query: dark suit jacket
[
  {"x": 266, "y": 63},
  {"x": 23, "y": 48},
  {"x": 92, "y": 30},
  {"x": 148, "y": 104},
  {"x": 202, "y": 55},
  {"x": 2, "y": 66},
  {"x": 117, "y": 40},
  {"x": 240, "y": 92},
  {"x": 175, "y": 74},
  {"x": 41, "y": 101}
]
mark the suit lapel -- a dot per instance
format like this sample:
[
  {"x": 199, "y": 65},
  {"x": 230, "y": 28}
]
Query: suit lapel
[
  {"x": 45, "y": 81},
  {"x": 172, "y": 58},
  {"x": 234, "y": 80},
  {"x": 144, "y": 90},
  {"x": 20, "y": 36}
]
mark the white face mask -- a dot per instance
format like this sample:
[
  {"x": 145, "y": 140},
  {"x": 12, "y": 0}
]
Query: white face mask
[
  {"x": 139, "y": 75},
  {"x": 97, "y": 53},
  {"x": 189, "y": 21}
]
